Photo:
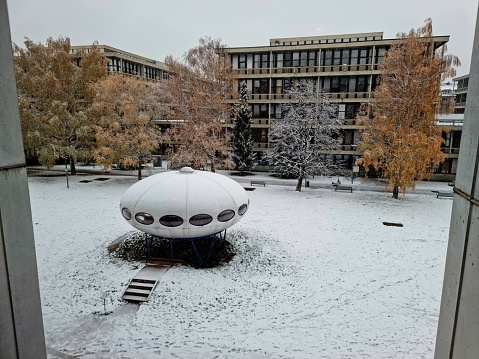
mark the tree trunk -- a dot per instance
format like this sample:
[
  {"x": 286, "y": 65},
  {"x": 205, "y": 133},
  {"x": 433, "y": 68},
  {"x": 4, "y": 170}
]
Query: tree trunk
[
  {"x": 396, "y": 192},
  {"x": 300, "y": 182},
  {"x": 73, "y": 170}
]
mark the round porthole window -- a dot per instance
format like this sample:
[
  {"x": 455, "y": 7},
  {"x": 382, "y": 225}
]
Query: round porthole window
[
  {"x": 144, "y": 218},
  {"x": 242, "y": 210},
  {"x": 200, "y": 219},
  {"x": 171, "y": 220},
  {"x": 225, "y": 216},
  {"x": 126, "y": 213}
]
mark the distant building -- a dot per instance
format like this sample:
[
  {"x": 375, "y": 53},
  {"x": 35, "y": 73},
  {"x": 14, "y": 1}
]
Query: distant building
[
  {"x": 461, "y": 83},
  {"x": 127, "y": 63},
  {"x": 345, "y": 66},
  {"x": 453, "y": 123}
]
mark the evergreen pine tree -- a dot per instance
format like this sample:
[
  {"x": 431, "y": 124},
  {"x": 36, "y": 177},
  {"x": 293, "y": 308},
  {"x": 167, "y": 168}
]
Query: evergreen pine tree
[{"x": 243, "y": 154}]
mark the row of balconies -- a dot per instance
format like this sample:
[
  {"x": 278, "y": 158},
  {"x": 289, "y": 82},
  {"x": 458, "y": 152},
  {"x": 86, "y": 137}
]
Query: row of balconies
[
  {"x": 266, "y": 145},
  {"x": 333, "y": 95},
  {"x": 262, "y": 146},
  {"x": 307, "y": 69}
]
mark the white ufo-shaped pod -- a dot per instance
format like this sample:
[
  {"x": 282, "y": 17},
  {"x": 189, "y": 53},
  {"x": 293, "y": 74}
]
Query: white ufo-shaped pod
[{"x": 184, "y": 204}]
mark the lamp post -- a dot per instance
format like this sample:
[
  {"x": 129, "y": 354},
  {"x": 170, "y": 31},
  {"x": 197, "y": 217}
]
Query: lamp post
[{"x": 66, "y": 170}]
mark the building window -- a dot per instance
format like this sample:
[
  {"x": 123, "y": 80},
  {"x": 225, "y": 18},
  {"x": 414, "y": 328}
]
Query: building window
[
  {"x": 303, "y": 59},
  {"x": 337, "y": 57},
  {"x": 278, "y": 86},
  {"x": 326, "y": 84},
  {"x": 312, "y": 58},
  {"x": 295, "y": 59},
  {"x": 287, "y": 83},
  {"x": 260, "y": 86},
  {"x": 278, "y": 59},
  {"x": 375, "y": 82},
  {"x": 242, "y": 61},
  {"x": 364, "y": 56},
  {"x": 261, "y": 60},
  {"x": 287, "y": 59},
  {"x": 259, "y": 135},
  {"x": 327, "y": 59},
  {"x": 362, "y": 84},
  {"x": 260, "y": 110},
  {"x": 276, "y": 110},
  {"x": 456, "y": 139},
  {"x": 350, "y": 111},
  {"x": 380, "y": 51},
  {"x": 354, "y": 57},
  {"x": 335, "y": 84}
]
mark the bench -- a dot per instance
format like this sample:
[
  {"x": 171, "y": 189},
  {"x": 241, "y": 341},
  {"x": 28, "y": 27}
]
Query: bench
[
  {"x": 259, "y": 183},
  {"x": 444, "y": 194},
  {"x": 342, "y": 188}
]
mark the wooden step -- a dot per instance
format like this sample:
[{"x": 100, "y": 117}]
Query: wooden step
[
  {"x": 135, "y": 298},
  {"x": 135, "y": 291},
  {"x": 141, "y": 285},
  {"x": 140, "y": 280}
]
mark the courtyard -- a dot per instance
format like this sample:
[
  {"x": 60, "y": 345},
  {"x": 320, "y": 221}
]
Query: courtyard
[{"x": 316, "y": 275}]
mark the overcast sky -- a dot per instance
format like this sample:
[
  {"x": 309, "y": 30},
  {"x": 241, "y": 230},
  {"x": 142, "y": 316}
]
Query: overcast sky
[{"x": 155, "y": 29}]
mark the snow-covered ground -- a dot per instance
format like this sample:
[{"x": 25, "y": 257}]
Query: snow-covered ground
[{"x": 317, "y": 275}]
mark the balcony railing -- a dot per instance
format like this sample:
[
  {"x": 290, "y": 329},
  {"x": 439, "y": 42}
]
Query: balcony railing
[
  {"x": 334, "y": 95},
  {"x": 307, "y": 69}
]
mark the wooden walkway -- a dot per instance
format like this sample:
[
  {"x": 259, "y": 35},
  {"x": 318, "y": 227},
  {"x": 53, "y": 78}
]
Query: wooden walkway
[{"x": 143, "y": 283}]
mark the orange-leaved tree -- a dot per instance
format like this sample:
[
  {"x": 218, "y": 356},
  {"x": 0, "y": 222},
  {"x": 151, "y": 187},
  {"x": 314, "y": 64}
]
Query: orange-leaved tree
[
  {"x": 126, "y": 109},
  {"x": 398, "y": 133},
  {"x": 198, "y": 88},
  {"x": 54, "y": 95}
]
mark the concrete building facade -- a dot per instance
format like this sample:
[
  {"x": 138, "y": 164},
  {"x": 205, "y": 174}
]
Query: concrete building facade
[
  {"x": 345, "y": 66},
  {"x": 128, "y": 63}
]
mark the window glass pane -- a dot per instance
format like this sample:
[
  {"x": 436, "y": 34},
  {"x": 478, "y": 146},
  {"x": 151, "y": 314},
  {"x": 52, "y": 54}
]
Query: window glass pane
[
  {"x": 295, "y": 59},
  {"x": 312, "y": 58},
  {"x": 225, "y": 216},
  {"x": 335, "y": 84},
  {"x": 126, "y": 213},
  {"x": 171, "y": 221},
  {"x": 287, "y": 59},
  {"x": 200, "y": 219},
  {"x": 354, "y": 56},
  {"x": 144, "y": 218},
  {"x": 326, "y": 84},
  {"x": 344, "y": 84},
  {"x": 304, "y": 58},
  {"x": 352, "y": 84},
  {"x": 278, "y": 59},
  {"x": 242, "y": 210},
  {"x": 337, "y": 57},
  {"x": 242, "y": 61}
]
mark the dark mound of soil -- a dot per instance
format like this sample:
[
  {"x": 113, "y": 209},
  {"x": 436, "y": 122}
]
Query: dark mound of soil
[{"x": 212, "y": 254}]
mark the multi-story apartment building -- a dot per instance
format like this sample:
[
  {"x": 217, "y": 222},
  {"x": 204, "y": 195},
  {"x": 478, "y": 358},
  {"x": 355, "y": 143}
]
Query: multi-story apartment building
[
  {"x": 345, "y": 66},
  {"x": 127, "y": 63},
  {"x": 460, "y": 90},
  {"x": 457, "y": 90}
]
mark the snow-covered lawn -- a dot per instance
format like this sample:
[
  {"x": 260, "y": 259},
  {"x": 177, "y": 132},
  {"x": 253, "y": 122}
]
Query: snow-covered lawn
[{"x": 317, "y": 275}]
